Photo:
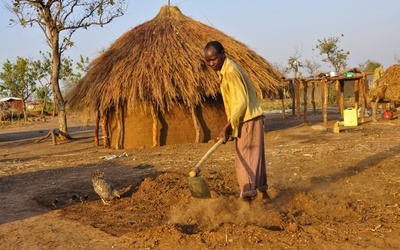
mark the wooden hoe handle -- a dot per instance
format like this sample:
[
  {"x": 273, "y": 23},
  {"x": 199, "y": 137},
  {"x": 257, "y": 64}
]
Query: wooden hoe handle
[{"x": 198, "y": 166}]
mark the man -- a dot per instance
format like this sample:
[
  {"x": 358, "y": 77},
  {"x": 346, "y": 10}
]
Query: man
[{"x": 245, "y": 122}]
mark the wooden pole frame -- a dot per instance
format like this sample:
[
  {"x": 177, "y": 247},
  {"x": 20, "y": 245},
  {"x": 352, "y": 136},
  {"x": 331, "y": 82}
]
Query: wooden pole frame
[
  {"x": 155, "y": 127},
  {"x": 104, "y": 126},
  {"x": 196, "y": 123}
]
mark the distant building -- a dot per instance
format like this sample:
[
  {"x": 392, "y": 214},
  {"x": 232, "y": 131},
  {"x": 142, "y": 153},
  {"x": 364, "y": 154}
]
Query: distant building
[{"x": 12, "y": 102}]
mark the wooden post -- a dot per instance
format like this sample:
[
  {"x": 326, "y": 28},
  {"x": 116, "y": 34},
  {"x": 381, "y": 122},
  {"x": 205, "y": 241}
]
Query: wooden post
[
  {"x": 342, "y": 98},
  {"x": 313, "y": 98},
  {"x": 356, "y": 93},
  {"x": 96, "y": 129},
  {"x": 297, "y": 94},
  {"x": 293, "y": 94},
  {"x": 119, "y": 113},
  {"x": 374, "y": 105},
  {"x": 364, "y": 97},
  {"x": 325, "y": 101},
  {"x": 283, "y": 105},
  {"x": 282, "y": 94},
  {"x": 305, "y": 101},
  {"x": 339, "y": 87},
  {"x": 104, "y": 126},
  {"x": 196, "y": 124},
  {"x": 337, "y": 93},
  {"x": 156, "y": 136}
]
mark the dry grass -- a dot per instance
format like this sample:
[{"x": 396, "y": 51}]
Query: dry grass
[
  {"x": 160, "y": 62},
  {"x": 389, "y": 88}
]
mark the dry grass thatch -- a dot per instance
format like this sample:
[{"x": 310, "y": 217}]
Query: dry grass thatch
[
  {"x": 161, "y": 62},
  {"x": 391, "y": 78},
  {"x": 389, "y": 87}
]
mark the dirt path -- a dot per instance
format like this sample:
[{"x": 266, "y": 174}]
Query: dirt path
[{"x": 329, "y": 191}]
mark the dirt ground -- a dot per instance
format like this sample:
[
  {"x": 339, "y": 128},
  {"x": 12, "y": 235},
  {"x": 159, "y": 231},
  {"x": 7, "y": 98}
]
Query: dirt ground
[{"x": 328, "y": 191}]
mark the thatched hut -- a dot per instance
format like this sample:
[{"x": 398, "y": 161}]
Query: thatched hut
[{"x": 152, "y": 87}]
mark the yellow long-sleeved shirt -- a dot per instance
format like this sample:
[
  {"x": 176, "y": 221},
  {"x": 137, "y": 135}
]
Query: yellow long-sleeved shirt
[{"x": 240, "y": 99}]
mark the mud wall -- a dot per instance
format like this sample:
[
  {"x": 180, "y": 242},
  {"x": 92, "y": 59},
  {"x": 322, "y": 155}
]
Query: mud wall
[{"x": 175, "y": 127}]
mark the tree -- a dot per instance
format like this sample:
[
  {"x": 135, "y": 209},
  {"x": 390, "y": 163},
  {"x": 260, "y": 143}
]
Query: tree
[
  {"x": 72, "y": 76},
  {"x": 59, "y": 20},
  {"x": 311, "y": 67},
  {"x": 335, "y": 56},
  {"x": 281, "y": 68},
  {"x": 41, "y": 73},
  {"x": 18, "y": 80},
  {"x": 294, "y": 63},
  {"x": 369, "y": 66}
]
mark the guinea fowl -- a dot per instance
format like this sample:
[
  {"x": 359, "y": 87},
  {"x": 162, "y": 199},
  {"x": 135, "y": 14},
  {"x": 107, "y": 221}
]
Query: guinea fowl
[{"x": 104, "y": 188}]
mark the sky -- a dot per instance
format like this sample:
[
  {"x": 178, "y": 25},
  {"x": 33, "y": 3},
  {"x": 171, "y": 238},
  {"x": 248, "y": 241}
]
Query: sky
[{"x": 275, "y": 29}]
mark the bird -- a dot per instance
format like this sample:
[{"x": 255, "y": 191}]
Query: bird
[{"x": 104, "y": 188}]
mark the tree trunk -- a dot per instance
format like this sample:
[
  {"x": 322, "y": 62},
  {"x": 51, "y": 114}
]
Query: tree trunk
[
  {"x": 44, "y": 103},
  {"x": 24, "y": 111},
  {"x": 56, "y": 57},
  {"x": 54, "y": 107}
]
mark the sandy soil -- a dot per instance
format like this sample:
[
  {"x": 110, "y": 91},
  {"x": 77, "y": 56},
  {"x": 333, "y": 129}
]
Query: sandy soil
[{"x": 328, "y": 191}]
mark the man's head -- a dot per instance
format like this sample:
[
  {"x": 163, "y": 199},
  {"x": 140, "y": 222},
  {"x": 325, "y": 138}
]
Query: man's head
[{"x": 214, "y": 54}]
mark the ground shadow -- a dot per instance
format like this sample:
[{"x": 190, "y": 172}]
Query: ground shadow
[
  {"x": 35, "y": 193},
  {"x": 30, "y": 134}
]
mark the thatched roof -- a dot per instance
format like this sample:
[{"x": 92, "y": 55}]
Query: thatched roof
[
  {"x": 160, "y": 62},
  {"x": 389, "y": 87}
]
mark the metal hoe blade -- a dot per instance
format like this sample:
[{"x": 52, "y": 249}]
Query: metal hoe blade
[{"x": 198, "y": 188}]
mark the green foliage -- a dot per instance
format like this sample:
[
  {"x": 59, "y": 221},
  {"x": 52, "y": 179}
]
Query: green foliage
[
  {"x": 294, "y": 63},
  {"x": 59, "y": 20},
  {"x": 335, "y": 56},
  {"x": 369, "y": 66},
  {"x": 37, "y": 74},
  {"x": 42, "y": 93},
  {"x": 18, "y": 78},
  {"x": 72, "y": 76}
]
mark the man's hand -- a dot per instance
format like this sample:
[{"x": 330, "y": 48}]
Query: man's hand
[{"x": 226, "y": 132}]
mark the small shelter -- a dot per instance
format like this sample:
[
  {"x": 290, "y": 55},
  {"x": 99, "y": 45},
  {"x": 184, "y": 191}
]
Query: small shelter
[
  {"x": 10, "y": 107},
  {"x": 151, "y": 87},
  {"x": 12, "y": 102},
  {"x": 386, "y": 89}
]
